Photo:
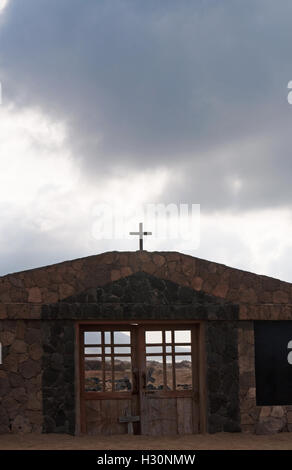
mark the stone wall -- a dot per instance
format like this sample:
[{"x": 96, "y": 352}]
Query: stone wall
[
  {"x": 20, "y": 377},
  {"x": 248, "y": 408},
  {"x": 259, "y": 297},
  {"x": 58, "y": 379},
  {"x": 222, "y": 376},
  {"x": 37, "y": 377}
]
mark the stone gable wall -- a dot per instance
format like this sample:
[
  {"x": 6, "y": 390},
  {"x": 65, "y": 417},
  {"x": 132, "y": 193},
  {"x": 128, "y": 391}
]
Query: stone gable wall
[{"x": 259, "y": 297}]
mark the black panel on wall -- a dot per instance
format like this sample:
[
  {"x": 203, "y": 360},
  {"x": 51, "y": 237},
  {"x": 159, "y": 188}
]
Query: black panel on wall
[{"x": 272, "y": 367}]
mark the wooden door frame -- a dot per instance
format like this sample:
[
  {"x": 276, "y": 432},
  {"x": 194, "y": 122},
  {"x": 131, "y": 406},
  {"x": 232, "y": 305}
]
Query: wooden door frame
[{"x": 79, "y": 369}]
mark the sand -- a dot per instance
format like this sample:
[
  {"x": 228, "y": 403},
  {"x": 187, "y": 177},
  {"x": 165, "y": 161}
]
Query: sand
[{"x": 225, "y": 441}]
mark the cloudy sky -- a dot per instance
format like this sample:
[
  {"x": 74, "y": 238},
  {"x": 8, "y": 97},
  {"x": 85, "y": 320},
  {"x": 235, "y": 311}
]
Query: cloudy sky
[{"x": 130, "y": 102}]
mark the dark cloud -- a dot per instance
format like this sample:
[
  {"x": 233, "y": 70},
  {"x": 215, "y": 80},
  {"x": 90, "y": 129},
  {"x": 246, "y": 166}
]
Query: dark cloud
[{"x": 162, "y": 83}]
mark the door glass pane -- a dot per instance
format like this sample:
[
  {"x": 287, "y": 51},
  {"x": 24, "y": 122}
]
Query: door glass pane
[
  {"x": 168, "y": 349},
  {"x": 122, "y": 337},
  {"x": 168, "y": 336},
  {"x": 122, "y": 350},
  {"x": 182, "y": 336},
  {"x": 154, "y": 373},
  {"x": 153, "y": 337},
  {"x": 183, "y": 372},
  {"x": 153, "y": 349},
  {"x": 123, "y": 374},
  {"x": 92, "y": 337},
  {"x": 183, "y": 349},
  {"x": 92, "y": 350},
  {"x": 93, "y": 375},
  {"x": 107, "y": 337}
]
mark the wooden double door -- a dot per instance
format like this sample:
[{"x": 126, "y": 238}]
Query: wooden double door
[{"x": 141, "y": 379}]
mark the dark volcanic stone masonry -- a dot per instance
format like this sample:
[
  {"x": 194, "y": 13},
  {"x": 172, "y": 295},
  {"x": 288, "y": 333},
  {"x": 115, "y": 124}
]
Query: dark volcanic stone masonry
[
  {"x": 58, "y": 379},
  {"x": 141, "y": 296},
  {"x": 222, "y": 377}
]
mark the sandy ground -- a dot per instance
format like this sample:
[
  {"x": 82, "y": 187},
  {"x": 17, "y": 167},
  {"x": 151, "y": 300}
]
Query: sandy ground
[{"x": 225, "y": 441}]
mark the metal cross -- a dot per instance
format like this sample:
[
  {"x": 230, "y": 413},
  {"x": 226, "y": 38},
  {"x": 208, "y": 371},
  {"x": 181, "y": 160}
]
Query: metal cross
[{"x": 141, "y": 233}]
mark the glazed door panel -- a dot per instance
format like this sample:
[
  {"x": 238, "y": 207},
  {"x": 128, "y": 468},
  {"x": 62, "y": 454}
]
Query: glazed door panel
[
  {"x": 109, "y": 388},
  {"x": 147, "y": 376},
  {"x": 169, "y": 395}
]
